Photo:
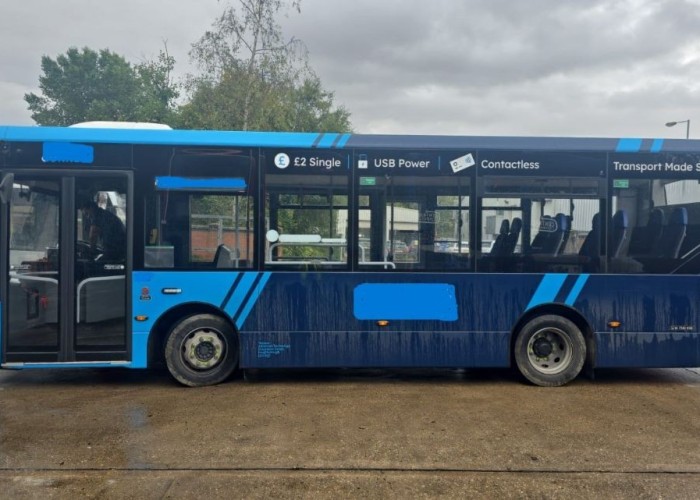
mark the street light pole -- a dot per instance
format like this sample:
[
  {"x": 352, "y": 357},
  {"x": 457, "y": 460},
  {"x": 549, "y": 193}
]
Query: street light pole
[{"x": 687, "y": 126}]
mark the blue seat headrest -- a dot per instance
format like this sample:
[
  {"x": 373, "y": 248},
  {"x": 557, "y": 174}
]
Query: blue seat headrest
[
  {"x": 656, "y": 218},
  {"x": 562, "y": 222},
  {"x": 620, "y": 219},
  {"x": 505, "y": 226},
  {"x": 516, "y": 225},
  {"x": 679, "y": 217}
]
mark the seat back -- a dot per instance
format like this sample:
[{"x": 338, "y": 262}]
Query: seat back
[
  {"x": 645, "y": 240},
  {"x": 673, "y": 234},
  {"x": 565, "y": 239},
  {"x": 550, "y": 238},
  {"x": 546, "y": 227},
  {"x": 499, "y": 243},
  {"x": 223, "y": 258},
  {"x": 618, "y": 233},
  {"x": 591, "y": 244},
  {"x": 513, "y": 235}
]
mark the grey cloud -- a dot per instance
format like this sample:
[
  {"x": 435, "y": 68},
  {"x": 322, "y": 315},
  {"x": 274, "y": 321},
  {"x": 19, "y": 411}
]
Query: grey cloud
[{"x": 499, "y": 67}]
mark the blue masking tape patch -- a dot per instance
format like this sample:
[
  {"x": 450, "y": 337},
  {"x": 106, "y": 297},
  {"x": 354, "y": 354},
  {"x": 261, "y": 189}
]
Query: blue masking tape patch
[
  {"x": 189, "y": 183},
  {"x": 405, "y": 301},
  {"x": 67, "y": 152}
]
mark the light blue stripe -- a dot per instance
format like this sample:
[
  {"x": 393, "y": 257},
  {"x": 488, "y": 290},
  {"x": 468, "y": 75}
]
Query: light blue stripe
[
  {"x": 168, "y": 137},
  {"x": 101, "y": 364},
  {"x": 239, "y": 294},
  {"x": 547, "y": 290},
  {"x": 576, "y": 290},
  {"x": 657, "y": 145},
  {"x": 343, "y": 140},
  {"x": 253, "y": 299},
  {"x": 327, "y": 140},
  {"x": 629, "y": 145},
  {"x": 139, "y": 350}
]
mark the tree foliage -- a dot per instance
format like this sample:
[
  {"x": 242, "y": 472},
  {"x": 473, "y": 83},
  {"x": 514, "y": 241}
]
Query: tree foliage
[
  {"x": 85, "y": 85},
  {"x": 255, "y": 80},
  {"x": 250, "y": 78}
]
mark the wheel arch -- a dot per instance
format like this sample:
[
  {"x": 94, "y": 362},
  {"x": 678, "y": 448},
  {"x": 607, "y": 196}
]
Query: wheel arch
[
  {"x": 564, "y": 311},
  {"x": 159, "y": 332}
]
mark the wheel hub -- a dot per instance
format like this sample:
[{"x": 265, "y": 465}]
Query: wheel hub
[
  {"x": 203, "y": 349},
  {"x": 542, "y": 348},
  {"x": 550, "y": 351}
]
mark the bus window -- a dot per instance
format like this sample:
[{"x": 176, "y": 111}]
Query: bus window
[
  {"x": 201, "y": 231},
  {"x": 663, "y": 234},
  {"x": 540, "y": 225},
  {"x": 414, "y": 223},
  {"x": 307, "y": 220},
  {"x": 200, "y": 212}
]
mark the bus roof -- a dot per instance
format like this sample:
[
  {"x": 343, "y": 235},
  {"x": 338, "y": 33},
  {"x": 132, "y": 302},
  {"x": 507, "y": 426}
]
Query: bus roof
[
  {"x": 328, "y": 140},
  {"x": 129, "y": 125}
]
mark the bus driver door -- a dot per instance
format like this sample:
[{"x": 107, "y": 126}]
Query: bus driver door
[{"x": 64, "y": 281}]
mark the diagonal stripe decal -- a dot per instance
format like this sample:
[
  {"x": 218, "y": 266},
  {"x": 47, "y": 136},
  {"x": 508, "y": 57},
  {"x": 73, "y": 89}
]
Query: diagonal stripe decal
[
  {"x": 576, "y": 290},
  {"x": 231, "y": 290},
  {"x": 547, "y": 290},
  {"x": 628, "y": 145},
  {"x": 343, "y": 140},
  {"x": 239, "y": 294},
  {"x": 252, "y": 300},
  {"x": 327, "y": 141},
  {"x": 657, "y": 145},
  {"x": 554, "y": 287}
]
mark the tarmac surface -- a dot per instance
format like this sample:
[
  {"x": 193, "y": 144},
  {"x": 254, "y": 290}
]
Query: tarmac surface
[{"x": 348, "y": 433}]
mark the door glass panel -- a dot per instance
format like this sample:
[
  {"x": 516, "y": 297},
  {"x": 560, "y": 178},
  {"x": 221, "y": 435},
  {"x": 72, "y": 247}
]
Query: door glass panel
[
  {"x": 414, "y": 223},
  {"x": 100, "y": 263},
  {"x": 34, "y": 297}
]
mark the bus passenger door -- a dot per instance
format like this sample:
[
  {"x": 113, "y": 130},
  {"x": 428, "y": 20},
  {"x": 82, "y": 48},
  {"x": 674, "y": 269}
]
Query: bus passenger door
[{"x": 64, "y": 283}]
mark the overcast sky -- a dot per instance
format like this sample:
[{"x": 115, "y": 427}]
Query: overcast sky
[{"x": 619, "y": 68}]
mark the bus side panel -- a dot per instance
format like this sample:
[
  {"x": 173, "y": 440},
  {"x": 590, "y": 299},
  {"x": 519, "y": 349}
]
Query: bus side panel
[
  {"x": 659, "y": 319},
  {"x": 291, "y": 319},
  {"x": 295, "y": 319},
  {"x": 316, "y": 319},
  {"x": 374, "y": 349},
  {"x": 650, "y": 350}
]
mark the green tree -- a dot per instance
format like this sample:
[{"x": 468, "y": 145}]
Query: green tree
[
  {"x": 255, "y": 80},
  {"x": 85, "y": 85},
  {"x": 157, "y": 90}
]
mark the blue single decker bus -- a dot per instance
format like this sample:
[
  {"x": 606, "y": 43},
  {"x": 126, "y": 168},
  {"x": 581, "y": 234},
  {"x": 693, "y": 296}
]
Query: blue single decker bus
[{"x": 215, "y": 251}]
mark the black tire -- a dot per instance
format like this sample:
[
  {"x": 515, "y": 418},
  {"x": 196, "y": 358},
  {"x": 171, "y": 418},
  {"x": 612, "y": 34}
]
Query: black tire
[
  {"x": 201, "y": 350},
  {"x": 550, "y": 351}
]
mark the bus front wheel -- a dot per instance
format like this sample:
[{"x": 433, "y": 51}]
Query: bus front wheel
[
  {"x": 550, "y": 351},
  {"x": 201, "y": 350}
]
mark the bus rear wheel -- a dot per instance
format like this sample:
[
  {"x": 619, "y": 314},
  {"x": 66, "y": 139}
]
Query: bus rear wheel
[
  {"x": 550, "y": 351},
  {"x": 201, "y": 350}
]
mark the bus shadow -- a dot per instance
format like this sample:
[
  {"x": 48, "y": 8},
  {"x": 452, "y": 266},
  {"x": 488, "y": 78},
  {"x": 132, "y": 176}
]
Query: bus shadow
[
  {"x": 382, "y": 376},
  {"x": 159, "y": 377},
  {"x": 471, "y": 376},
  {"x": 621, "y": 376},
  {"x": 83, "y": 377}
]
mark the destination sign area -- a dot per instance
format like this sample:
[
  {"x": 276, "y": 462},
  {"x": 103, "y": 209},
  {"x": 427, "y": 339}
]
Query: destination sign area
[
  {"x": 373, "y": 163},
  {"x": 654, "y": 166},
  {"x": 541, "y": 164},
  {"x": 466, "y": 163}
]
